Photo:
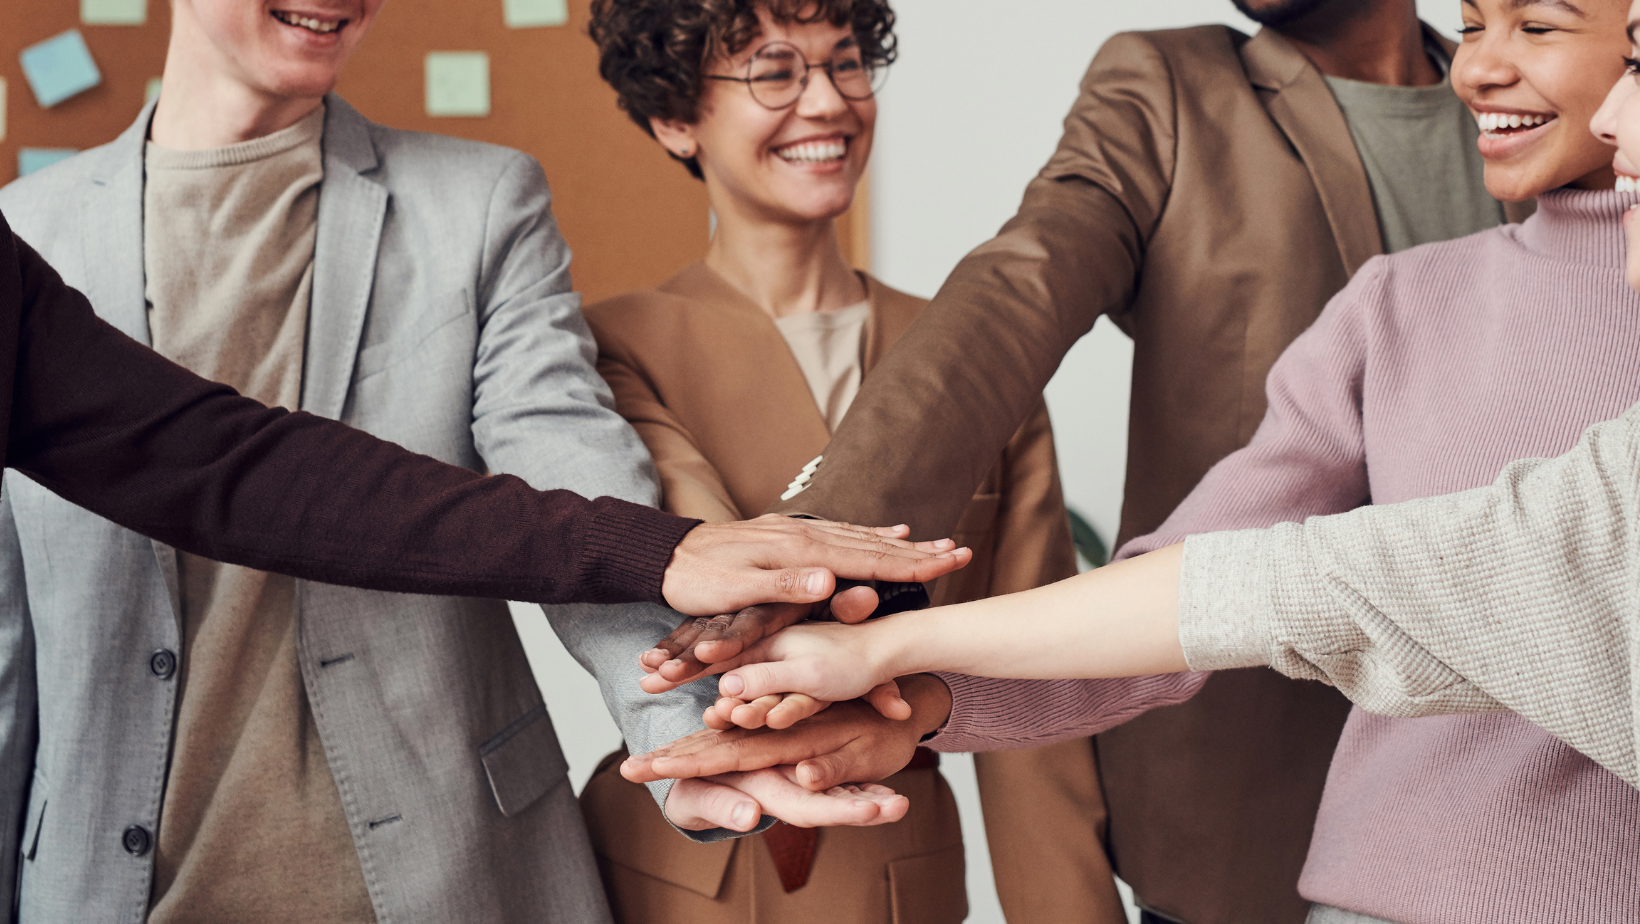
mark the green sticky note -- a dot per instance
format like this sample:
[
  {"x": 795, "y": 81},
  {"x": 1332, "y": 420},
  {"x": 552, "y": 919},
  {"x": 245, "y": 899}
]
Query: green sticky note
[
  {"x": 526, "y": 14},
  {"x": 113, "y": 12},
  {"x": 59, "y": 67},
  {"x": 458, "y": 83},
  {"x": 151, "y": 92},
  {"x": 32, "y": 159}
]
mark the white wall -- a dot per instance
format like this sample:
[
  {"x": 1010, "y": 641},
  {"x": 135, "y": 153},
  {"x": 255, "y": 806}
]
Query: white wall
[{"x": 970, "y": 114}]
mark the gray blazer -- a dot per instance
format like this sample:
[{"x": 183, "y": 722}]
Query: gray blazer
[{"x": 442, "y": 319}]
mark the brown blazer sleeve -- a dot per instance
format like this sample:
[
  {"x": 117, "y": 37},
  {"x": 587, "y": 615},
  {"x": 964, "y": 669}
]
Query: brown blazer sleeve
[
  {"x": 690, "y": 485},
  {"x": 1033, "y": 543},
  {"x": 933, "y": 416},
  {"x": 108, "y": 424}
]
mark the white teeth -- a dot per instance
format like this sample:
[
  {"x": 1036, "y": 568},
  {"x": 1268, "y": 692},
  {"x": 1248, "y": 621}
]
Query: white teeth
[
  {"x": 1498, "y": 121},
  {"x": 1627, "y": 184},
  {"x": 321, "y": 26},
  {"x": 813, "y": 152}
]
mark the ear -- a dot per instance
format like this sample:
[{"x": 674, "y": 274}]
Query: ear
[{"x": 677, "y": 137}]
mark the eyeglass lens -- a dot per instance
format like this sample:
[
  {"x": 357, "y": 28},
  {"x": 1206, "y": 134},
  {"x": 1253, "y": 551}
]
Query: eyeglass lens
[{"x": 778, "y": 73}]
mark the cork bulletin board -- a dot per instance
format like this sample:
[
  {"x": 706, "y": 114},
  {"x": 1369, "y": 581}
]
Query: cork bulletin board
[{"x": 631, "y": 215}]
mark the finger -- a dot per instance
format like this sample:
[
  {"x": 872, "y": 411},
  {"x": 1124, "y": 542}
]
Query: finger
[
  {"x": 755, "y": 713},
  {"x": 750, "y": 625},
  {"x": 793, "y": 804},
  {"x": 790, "y": 709},
  {"x": 698, "y": 805},
  {"x": 720, "y": 715},
  {"x": 750, "y": 681},
  {"x": 886, "y": 699},
  {"x": 854, "y": 605}
]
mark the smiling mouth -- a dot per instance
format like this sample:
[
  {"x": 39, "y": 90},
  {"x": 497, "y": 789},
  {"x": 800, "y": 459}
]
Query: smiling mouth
[
  {"x": 316, "y": 26},
  {"x": 1500, "y": 124},
  {"x": 814, "y": 152},
  {"x": 1627, "y": 183}
]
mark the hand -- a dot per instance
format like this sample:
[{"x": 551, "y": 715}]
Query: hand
[
  {"x": 848, "y": 742},
  {"x": 684, "y": 655},
  {"x": 826, "y": 661},
  {"x": 727, "y": 567},
  {"x": 738, "y": 800},
  {"x": 783, "y": 710}
]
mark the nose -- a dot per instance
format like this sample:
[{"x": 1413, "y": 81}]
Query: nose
[
  {"x": 820, "y": 98},
  {"x": 1604, "y": 123},
  {"x": 1483, "y": 64}
]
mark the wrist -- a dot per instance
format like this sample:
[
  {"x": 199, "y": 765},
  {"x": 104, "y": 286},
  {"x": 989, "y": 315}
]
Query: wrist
[
  {"x": 886, "y": 649},
  {"x": 930, "y": 701}
]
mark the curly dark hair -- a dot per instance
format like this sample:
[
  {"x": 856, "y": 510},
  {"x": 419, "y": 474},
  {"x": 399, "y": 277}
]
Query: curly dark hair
[{"x": 653, "y": 52}]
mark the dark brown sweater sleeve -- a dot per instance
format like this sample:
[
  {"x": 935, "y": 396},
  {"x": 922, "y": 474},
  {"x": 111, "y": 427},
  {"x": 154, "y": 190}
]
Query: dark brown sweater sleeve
[
  {"x": 933, "y": 417},
  {"x": 110, "y": 425}
]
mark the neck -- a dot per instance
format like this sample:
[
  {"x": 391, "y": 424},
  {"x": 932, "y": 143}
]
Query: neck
[
  {"x": 1374, "y": 41},
  {"x": 202, "y": 105},
  {"x": 783, "y": 268}
]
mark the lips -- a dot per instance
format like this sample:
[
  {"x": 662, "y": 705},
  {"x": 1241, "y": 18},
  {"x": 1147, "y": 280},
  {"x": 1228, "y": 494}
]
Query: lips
[
  {"x": 1506, "y": 133},
  {"x": 314, "y": 24}
]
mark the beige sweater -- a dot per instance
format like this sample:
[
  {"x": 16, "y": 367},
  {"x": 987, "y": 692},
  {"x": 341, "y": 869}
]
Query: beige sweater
[{"x": 1521, "y": 596}]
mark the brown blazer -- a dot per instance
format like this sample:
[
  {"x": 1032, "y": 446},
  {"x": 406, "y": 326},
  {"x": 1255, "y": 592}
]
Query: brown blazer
[
  {"x": 1207, "y": 196},
  {"x": 709, "y": 383}
]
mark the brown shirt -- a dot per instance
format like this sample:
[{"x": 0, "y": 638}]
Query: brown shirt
[{"x": 252, "y": 823}]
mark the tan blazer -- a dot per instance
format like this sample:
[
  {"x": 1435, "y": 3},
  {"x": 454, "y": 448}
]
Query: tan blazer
[
  {"x": 705, "y": 377},
  {"x": 1208, "y": 197}
]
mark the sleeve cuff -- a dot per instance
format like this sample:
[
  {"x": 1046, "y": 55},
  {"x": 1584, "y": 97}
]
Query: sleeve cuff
[
  {"x": 628, "y": 547},
  {"x": 1225, "y": 601}
]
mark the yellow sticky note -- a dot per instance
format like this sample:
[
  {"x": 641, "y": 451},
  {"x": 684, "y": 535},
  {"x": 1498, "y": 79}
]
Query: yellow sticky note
[
  {"x": 151, "y": 92},
  {"x": 113, "y": 12},
  {"x": 2, "y": 109},
  {"x": 525, "y": 14},
  {"x": 458, "y": 83}
]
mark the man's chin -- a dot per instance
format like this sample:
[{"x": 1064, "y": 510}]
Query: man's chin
[{"x": 1277, "y": 12}]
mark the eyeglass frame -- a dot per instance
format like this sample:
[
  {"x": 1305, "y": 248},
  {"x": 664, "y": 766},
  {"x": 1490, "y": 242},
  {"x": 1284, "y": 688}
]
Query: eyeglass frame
[{"x": 804, "y": 81}]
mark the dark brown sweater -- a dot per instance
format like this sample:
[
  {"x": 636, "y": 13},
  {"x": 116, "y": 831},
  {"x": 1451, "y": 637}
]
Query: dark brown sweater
[{"x": 108, "y": 424}]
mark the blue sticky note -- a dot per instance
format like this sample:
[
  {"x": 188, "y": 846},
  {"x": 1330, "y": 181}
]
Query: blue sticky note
[
  {"x": 60, "y": 67},
  {"x": 525, "y": 14},
  {"x": 32, "y": 159},
  {"x": 458, "y": 83},
  {"x": 113, "y": 12}
]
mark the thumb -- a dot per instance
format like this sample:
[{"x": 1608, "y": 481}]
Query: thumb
[
  {"x": 888, "y": 702},
  {"x": 818, "y": 774},
  {"x": 755, "y": 680}
]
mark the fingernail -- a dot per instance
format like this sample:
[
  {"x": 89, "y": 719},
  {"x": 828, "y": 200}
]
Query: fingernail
[
  {"x": 744, "y": 816},
  {"x": 732, "y": 685},
  {"x": 815, "y": 583}
]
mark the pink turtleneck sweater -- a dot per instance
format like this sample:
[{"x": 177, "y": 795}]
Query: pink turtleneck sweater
[{"x": 1429, "y": 373}]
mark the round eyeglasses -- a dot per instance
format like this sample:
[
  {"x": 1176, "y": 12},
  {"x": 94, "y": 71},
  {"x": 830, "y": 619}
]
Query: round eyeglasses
[{"x": 778, "y": 74}]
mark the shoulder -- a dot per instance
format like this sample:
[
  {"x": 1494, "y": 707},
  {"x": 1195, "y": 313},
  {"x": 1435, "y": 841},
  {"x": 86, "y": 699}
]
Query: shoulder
[
  {"x": 627, "y": 322},
  {"x": 455, "y": 172},
  {"x": 34, "y": 205},
  {"x": 1196, "y": 50}
]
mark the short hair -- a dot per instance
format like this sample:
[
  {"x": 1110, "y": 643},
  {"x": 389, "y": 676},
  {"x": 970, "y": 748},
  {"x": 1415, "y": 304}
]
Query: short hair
[{"x": 654, "y": 52}]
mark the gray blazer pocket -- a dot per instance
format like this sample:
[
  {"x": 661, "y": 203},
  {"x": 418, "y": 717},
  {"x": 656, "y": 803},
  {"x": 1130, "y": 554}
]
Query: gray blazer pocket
[
  {"x": 524, "y": 761},
  {"x": 385, "y": 354}
]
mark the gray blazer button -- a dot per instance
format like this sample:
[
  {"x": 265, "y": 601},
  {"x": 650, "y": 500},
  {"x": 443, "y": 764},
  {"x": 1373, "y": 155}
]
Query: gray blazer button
[
  {"x": 163, "y": 663},
  {"x": 136, "y": 840}
]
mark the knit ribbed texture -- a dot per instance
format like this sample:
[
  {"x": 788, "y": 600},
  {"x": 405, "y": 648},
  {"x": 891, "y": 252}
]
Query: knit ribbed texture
[
  {"x": 1428, "y": 374},
  {"x": 628, "y": 547}
]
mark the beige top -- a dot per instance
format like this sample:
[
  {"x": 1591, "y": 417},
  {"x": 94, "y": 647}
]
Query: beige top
[
  {"x": 252, "y": 826},
  {"x": 829, "y": 347},
  {"x": 1523, "y": 595}
]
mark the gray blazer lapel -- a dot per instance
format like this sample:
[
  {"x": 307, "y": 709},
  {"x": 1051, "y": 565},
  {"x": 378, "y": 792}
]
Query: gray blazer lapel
[
  {"x": 352, "y": 208},
  {"x": 115, "y": 277},
  {"x": 1299, "y": 101},
  {"x": 112, "y": 221}
]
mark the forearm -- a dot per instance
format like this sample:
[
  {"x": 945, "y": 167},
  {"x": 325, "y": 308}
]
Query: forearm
[
  {"x": 112, "y": 426},
  {"x": 1117, "y": 621},
  {"x": 1519, "y": 595}
]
